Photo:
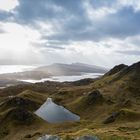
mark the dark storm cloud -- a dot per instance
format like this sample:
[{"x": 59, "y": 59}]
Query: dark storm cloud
[
  {"x": 32, "y": 10},
  {"x": 74, "y": 23},
  {"x": 122, "y": 24}
]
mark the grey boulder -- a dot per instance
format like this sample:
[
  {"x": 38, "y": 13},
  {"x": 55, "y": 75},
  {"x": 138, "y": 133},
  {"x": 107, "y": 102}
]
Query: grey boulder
[
  {"x": 49, "y": 137},
  {"x": 87, "y": 137}
]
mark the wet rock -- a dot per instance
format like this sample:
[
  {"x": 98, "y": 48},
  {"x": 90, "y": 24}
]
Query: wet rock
[
  {"x": 88, "y": 137},
  {"x": 111, "y": 118},
  {"x": 49, "y": 137}
]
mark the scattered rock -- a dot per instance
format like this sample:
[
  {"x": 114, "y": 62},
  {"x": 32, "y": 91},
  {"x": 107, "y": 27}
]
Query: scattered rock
[
  {"x": 28, "y": 136},
  {"x": 88, "y": 137},
  {"x": 124, "y": 103},
  {"x": 36, "y": 134},
  {"x": 109, "y": 102},
  {"x": 111, "y": 118},
  {"x": 49, "y": 137}
]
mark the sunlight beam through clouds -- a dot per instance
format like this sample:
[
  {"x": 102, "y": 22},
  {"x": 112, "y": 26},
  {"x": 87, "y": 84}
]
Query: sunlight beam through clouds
[{"x": 90, "y": 31}]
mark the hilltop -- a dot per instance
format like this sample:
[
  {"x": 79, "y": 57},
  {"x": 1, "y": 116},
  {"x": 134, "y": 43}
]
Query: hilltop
[{"x": 71, "y": 69}]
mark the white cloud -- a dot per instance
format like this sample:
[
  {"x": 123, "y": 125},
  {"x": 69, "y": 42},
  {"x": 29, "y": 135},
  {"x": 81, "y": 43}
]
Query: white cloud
[
  {"x": 104, "y": 53},
  {"x": 22, "y": 44},
  {"x": 98, "y": 13},
  {"x": 133, "y": 3},
  {"x": 7, "y": 5},
  {"x": 16, "y": 43},
  {"x": 104, "y": 10},
  {"x": 25, "y": 44}
]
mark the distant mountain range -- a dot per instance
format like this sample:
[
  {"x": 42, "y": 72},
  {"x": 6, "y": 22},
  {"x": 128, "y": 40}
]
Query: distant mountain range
[
  {"x": 56, "y": 69},
  {"x": 71, "y": 69}
]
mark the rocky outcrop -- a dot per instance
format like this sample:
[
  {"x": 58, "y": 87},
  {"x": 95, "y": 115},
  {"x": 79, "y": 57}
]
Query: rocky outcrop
[
  {"x": 116, "y": 69},
  {"x": 15, "y": 101},
  {"x": 22, "y": 115},
  {"x": 111, "y": 118},
  {"x": 18, "y": 115},
  {"x": 94, "y": 97},
  {"x": 123, "y": 115}
]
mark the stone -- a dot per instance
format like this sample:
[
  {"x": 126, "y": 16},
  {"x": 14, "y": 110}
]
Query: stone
[
  {"x": 49, "y": 137},
  {"x": 88, "y": 137},
  {"x": 111, "y": 118}
]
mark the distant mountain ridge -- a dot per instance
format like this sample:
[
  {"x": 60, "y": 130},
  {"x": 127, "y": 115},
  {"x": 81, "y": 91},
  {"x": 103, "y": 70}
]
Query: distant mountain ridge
[
  {"x": 71, "y": 69},
  {"x": 56, "y": 69}
]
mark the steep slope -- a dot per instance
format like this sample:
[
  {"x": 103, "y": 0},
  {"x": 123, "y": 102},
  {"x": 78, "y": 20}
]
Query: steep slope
[
  {"x": 17, "y": 112},
  {"x": 116, "y": 69},
  {"x": 126, "y": 81}
]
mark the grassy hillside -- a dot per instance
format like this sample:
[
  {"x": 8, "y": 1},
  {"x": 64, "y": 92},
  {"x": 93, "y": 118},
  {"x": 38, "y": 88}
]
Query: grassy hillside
[{"x": 109, "y": 107}]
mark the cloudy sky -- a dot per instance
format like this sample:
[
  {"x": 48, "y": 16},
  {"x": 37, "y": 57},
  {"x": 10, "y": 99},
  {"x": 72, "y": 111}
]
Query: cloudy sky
[{"x": 99, "y": 32}]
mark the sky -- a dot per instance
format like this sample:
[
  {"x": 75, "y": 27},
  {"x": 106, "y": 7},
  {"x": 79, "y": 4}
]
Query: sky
[{"x": 99, "y": 32}]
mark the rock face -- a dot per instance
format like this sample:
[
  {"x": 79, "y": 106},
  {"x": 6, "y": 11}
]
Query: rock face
[
  {"x": 22, "y": 115},
  {"x": 88, "y": 137},
  {"x": 54, "y": 113},
  {"x": 94, "y": 97},
  {"x": 21, "y": 103},
  {"x": 49, "y": 137},
  {"x": 18, "y": 115}
]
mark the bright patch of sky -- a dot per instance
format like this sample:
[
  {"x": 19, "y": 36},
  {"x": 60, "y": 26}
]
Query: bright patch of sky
[{"x": 91, "y": 31}]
